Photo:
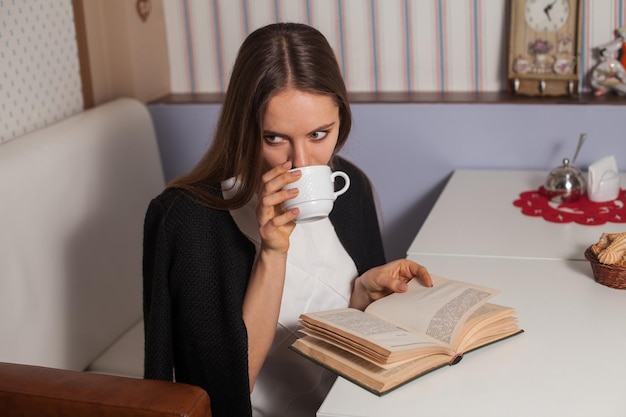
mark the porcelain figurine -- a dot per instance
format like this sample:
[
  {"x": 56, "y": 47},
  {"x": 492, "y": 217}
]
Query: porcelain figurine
[{"x": 609, "y": 74}]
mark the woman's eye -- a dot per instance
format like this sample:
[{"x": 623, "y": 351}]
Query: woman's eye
[
  {"x": 319, "y": 135},
  {"x": 273, "y": 139}
]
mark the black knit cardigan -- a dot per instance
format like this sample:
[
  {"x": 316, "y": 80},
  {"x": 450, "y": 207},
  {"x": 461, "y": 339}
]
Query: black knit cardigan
[{"x": 196, "y": 267}]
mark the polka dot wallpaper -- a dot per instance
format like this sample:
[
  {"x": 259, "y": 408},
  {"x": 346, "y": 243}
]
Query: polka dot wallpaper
[{"x": 39, "y": 68}]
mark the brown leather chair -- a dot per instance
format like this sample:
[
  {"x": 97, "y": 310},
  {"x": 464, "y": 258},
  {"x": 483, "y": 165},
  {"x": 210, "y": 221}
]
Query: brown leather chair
[{"x": 27, "y": 390}]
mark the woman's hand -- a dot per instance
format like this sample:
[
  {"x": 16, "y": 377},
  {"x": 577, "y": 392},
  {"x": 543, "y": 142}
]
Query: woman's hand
[
  {"x": 275, "y": 226},
  {"x": 261, "y": 305},
  {"x": 386, "y": 279}
]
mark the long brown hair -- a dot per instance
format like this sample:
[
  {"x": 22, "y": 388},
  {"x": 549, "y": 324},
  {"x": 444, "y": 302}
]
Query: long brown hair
[{"x": 272, "y": 58}]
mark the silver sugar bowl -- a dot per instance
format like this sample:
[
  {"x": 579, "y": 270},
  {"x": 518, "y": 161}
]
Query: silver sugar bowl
[{"x": 565, "y": 184}]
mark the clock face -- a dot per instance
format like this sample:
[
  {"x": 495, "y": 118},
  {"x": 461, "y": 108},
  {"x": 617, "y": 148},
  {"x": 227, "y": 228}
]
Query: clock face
[{"x": 546, "y": 15}]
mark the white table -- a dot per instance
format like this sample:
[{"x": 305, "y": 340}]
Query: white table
[
  {"x": 568, "y": 362},
  {"x": 475, "y": 216}
]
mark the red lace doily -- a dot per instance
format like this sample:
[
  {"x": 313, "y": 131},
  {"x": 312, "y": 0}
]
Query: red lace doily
[{"x": 582, "y": 211}]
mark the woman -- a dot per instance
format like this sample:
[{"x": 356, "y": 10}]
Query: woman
[{"x": 227, "y": 272}]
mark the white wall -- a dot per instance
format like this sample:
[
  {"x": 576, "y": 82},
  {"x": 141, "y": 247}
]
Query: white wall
[{"x": 410, "y": 150}]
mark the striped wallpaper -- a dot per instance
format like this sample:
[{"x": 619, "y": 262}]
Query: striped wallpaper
[{"x": 381, "y": 45}]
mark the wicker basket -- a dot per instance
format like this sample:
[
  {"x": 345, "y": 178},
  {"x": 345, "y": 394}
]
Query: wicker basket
[{"x": 613, "y": 276}]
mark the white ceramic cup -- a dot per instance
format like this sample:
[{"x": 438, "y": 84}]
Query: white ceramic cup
[{"x": 317, "y": 192}]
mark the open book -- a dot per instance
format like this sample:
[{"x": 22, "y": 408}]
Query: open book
[{"x": 405, "y": 335}]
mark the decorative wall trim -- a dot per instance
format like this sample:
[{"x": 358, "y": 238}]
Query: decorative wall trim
[{"x": 83, "y": 54}]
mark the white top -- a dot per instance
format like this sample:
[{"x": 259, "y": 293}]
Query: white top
[
  {"x": 319, "y": 277},
  {"x": 475, "y": 216},
  {"x": 568, "y": 362}
]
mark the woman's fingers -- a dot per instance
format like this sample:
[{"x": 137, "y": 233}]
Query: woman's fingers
[
  {"x": 394, "y": 277},
  {"x": 411, "y": 270},
  {"x": 272, "y": 195},
  {"x": 420, "y": 272},
  {"x": 276, "y": 225},
  {"x": 279, "y": 176},
  {"x": 277, "y": 198}
]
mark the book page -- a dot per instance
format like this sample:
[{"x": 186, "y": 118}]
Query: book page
[
  {"x": 438, "y": 311},
  {"x": 362, "y": 372},
  {"x": 488, "y": 323},
  {"x": 366, "y": 331}
]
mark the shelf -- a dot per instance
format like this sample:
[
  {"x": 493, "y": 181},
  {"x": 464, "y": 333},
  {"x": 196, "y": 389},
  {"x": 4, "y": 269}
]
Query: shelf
[{"x": 423, "y": 97}]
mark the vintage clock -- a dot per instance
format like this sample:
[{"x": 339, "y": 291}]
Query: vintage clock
[{"x": 544, "y": 47}]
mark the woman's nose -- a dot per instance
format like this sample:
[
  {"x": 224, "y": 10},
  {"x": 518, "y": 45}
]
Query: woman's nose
[{"x": 300, "y": 157}]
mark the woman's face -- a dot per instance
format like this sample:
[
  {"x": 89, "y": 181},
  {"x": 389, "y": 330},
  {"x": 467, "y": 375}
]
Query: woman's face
[{"x": 300, "y": 127}]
